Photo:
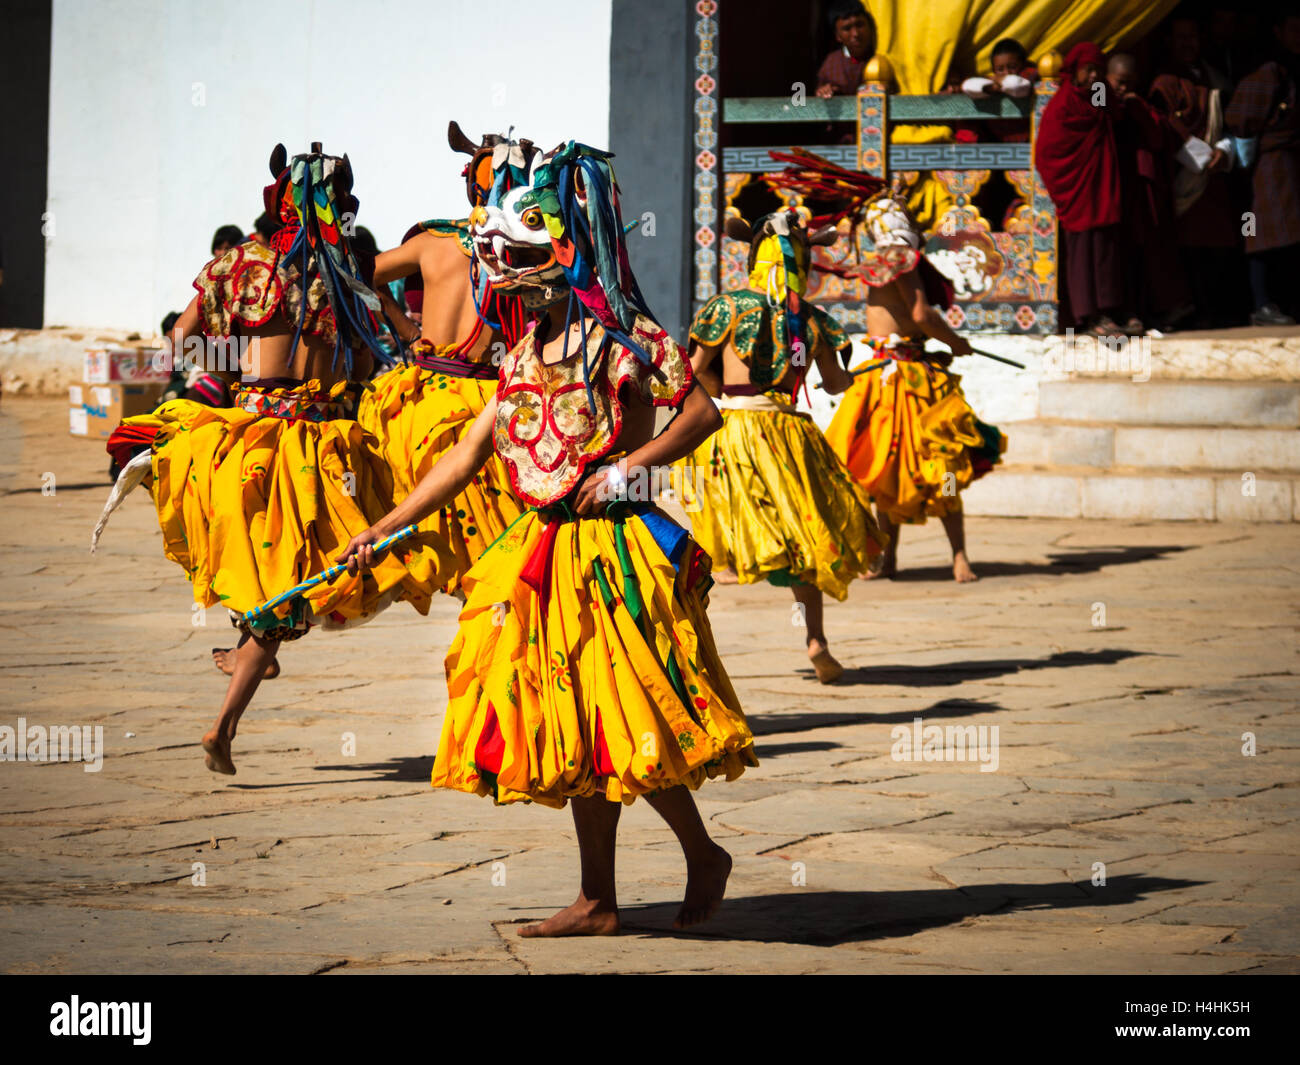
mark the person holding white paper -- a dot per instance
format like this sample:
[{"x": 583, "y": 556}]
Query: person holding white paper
[{"x": 1191, "y": 96}]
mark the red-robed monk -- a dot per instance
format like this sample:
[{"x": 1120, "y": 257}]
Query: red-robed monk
[{"x": 1076, "y": 155}]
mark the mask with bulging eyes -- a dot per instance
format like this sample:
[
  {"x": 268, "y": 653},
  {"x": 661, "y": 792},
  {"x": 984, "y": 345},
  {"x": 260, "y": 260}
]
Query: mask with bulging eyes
[
  {"x": 513, "y": 247},
  {"x": 890, "y": 226}
]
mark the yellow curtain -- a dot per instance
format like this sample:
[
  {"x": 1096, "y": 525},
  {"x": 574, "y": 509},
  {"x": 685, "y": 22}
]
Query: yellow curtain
[{"x": 923, "y": 40}]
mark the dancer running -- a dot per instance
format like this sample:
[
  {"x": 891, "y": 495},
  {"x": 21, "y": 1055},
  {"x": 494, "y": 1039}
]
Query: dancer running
[{"x": 254, "y": 498}]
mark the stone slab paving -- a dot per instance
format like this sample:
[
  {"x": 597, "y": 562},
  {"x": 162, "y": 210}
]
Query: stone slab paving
[{"x": 1121, "y": 664}]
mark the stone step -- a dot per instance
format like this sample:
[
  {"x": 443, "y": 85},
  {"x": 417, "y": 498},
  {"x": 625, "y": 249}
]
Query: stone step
[
  {"x": 1057, "y": 443},
  {"x": 1167, "y": 495},
  {"x": 1218, "y": 404}
]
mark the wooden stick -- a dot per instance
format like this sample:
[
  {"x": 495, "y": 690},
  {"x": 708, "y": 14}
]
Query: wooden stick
[
  {"x": 325, "y": 576},
  {"x": 861, "y": 370},
  {"x": 974, "y": 351},
  {"x": 998, "y": 358}
]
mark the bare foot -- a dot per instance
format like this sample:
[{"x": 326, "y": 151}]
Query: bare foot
[
  {"x": 706, "y": 882},
  {"x": 828, "y": 668},
  {"x": 224, "y": 657},
  {"x": 725, "y": 576},
  {"x": 218, "y": 757},
  {"x": 961, "y": 570},
  {"x": 583, "y": 918}
]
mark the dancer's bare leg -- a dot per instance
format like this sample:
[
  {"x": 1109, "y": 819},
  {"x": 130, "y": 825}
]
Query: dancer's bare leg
[
  {"x": 707, "y": 864},
  {"x": 725, "y": 576},
  {"x": 250, "y": 667},
  {"x": 955, "y": 526},
  {"x": 809, "y": 596},
  {"x": 889, "y": 561},
  {"x": 595, "y": 913},
  {"x": 224, "y": 659}
]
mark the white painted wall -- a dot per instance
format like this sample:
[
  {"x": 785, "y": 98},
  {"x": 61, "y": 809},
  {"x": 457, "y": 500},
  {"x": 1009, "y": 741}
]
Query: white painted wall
[{"x": 140, "y": 175}]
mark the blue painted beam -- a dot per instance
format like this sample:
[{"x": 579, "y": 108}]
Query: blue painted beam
[
  {"x": 941, "y": 107},
  {"x": 995, "y": 156}
]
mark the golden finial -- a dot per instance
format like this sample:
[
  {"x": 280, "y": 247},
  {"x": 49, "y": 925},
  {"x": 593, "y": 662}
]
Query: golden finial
[
  {"x": 1049, "y": 64},
  {"x": 880, "y": 69}
]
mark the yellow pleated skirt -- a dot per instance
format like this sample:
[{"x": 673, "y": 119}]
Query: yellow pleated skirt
[
  {"x": 770, "y": 499},
  {"x": 585, "y": 665},
  {"x": 417, "y": 415},
  {"x": 251, "y": 505},
  {"x": 910, "y": 439}
]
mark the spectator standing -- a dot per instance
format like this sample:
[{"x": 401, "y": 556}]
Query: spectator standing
[
  {"x": 1263, "y": 117},
  {"x": 1076, "y": 156},
  {"x": 1191, "y": 97}
]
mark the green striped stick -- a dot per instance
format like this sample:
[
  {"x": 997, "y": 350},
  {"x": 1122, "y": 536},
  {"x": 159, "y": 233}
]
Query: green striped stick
[{"x": 325, "y": 576}]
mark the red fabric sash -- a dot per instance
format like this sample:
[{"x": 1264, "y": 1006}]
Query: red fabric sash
[
  {"x": 537, "y": 570},
  {"x": 491, "y": 746},
  {"x": 602, "y": 763},
  {"x": 126, "y": 438}
]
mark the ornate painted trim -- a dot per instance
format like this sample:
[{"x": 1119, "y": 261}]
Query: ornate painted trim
[
  {"x": 757, "y": 161},
  {"x": 1044, "y": 257},
  {"x": 706, "y": 182}
]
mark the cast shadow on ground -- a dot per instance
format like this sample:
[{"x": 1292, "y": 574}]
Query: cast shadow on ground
[
  {"x": 1085, "y": 560},
  {"x": 104, "y": 486},
  {"x": 827, "y": 918},
  {"x": 776, "y": 750},
  {"x": 950, "y": 674},
  {"x": 416, "y": 769},
  {"x": 778, "y": 724},
  {"x": 411, "y": 770}
]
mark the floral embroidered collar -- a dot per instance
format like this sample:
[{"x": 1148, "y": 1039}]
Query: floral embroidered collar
[{"x": 546, "y": 432}]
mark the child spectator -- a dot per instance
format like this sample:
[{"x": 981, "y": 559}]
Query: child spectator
[
  {"x": 1013, "y": 75},
  {"x": 841, "y": 71}
]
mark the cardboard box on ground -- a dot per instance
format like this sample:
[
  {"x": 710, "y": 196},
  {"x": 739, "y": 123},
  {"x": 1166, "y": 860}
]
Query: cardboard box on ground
[{"x": 117, "y": 383}]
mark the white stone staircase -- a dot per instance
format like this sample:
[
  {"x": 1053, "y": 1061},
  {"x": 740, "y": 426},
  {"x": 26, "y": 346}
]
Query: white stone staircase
[{"x": 1171, "y": 449}]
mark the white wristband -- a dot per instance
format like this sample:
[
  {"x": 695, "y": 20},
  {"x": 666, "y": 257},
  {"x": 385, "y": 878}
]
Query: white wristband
[{"x": 616, "y": 479}]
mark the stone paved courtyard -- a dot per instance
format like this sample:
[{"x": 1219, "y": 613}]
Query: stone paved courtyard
[{"x": 1120, "y": 663}]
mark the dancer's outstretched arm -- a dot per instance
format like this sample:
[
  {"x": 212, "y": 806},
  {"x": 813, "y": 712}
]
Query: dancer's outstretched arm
[
  {"x": 401, "y": 261},
  {"x": 449, "y": 477}
]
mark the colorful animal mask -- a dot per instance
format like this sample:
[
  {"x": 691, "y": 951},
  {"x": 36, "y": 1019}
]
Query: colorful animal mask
[
  {"x": 318, "y": 207},
  {"x": 496, "y": 165},
  {"x": 514, "y": 248},
  {"x": 512, "y": 252},
  {"x": 780, "y": 252},
  {"x": 889, "y": 224},
  {"x": 563, "y": 232},
  {"x": 861, "y": 198},
  {"x": 572, "y": 205}
]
